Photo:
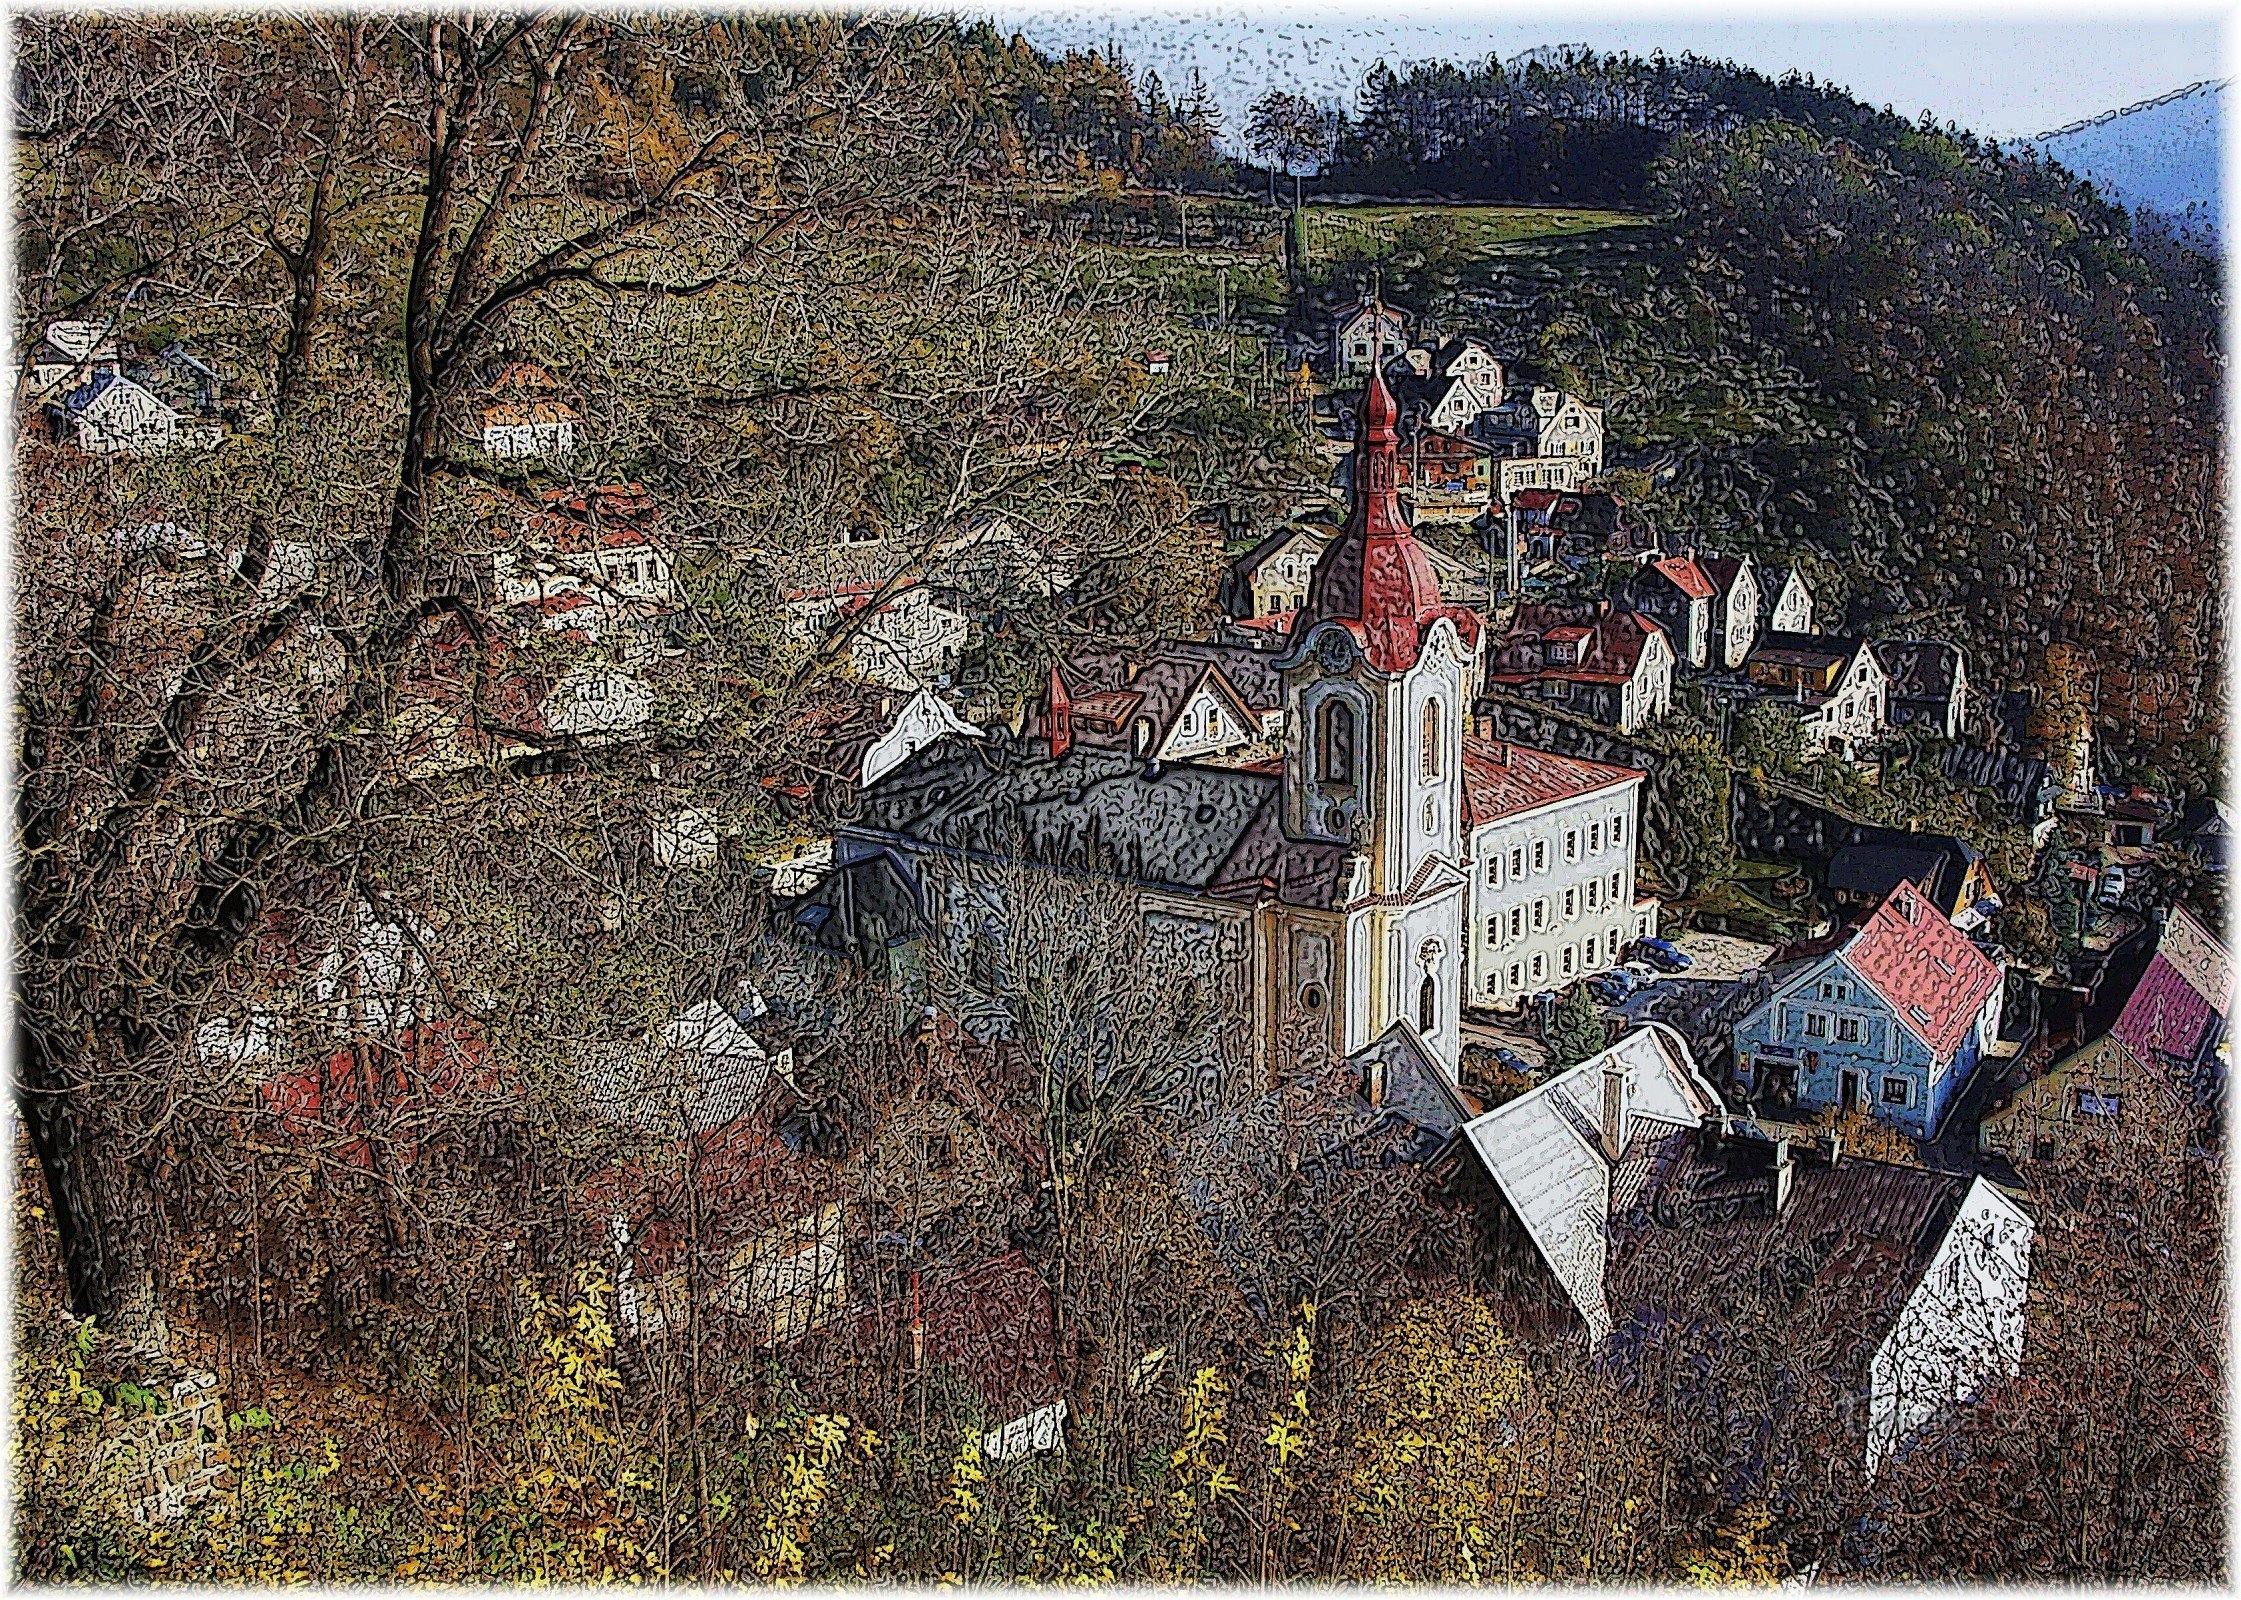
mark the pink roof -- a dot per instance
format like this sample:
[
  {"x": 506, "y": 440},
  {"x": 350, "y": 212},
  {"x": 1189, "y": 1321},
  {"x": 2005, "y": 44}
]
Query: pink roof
[
  {"x": 2186, "y": 986},
  {"x": 1924, "y": 968},
  {"x": 1502, "y": 779},
  {"x": 1375, "y": 578}
]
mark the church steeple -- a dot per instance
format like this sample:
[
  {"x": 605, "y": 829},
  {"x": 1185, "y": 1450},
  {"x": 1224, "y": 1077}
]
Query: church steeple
[{"x": 1375, "y": 577}]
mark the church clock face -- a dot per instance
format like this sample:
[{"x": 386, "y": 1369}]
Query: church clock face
[{"x": 1334, "y": 652}]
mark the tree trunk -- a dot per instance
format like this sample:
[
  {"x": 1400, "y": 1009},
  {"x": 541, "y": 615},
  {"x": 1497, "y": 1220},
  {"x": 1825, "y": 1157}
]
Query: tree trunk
[{"x": 104, "y": 1256}]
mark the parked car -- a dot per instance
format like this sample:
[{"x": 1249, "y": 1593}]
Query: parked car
[
  {"x": 1612, "y": 987},
  {"x": 1664, "y": 955},
  {"x": 1510, "y": 1061},
  {"x": 1642, "y": 973}
]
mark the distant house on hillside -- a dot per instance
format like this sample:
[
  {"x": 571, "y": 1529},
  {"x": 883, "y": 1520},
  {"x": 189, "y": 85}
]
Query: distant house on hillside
[
  {"x": 1835, "y": 687},
  {"x": 1360, "y": 330},
  {"x": 1450, "y": 389},
  {"x": 1791, "y": 607},
  {"x": 116, "y": 415},
  {"x": 1546, "y": 425},
  {"x": 911, "y": 640},
  {"x": 1735, "y": 608},
  {"x": 1680, "y": 594},
  {"x": 1929, "y": 684},
  {"x": 1613, "y": 667},
  {"x": 528, "y": 414}
]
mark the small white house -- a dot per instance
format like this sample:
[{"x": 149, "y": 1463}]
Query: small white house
[
  {"x": 1356, "y": 335},
  {"x": 912, "y": 641},
  {"x": 113, "y": 415}
]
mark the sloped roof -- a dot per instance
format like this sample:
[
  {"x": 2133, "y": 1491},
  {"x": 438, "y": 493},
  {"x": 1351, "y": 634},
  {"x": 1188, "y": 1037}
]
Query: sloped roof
[
  {"x": 1722, "y": 570},
  {"x": 1935, "y": 862},
  {"x": 1849, "y": 1247},
  {"x": 1919, "y": 669},
  {"x": 1543, "y": 1152},
  {"x": 1685, "y": 575},
  {"x": 1501, "y": 779},
  {"x": 1175, "y": 825},
  {"x": 1934, "y": 980},
  {"x": 2176, "y": 1016}
]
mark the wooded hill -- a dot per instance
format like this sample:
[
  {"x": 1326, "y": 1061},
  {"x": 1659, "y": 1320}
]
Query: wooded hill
[{"x": 1966, "y": 389}]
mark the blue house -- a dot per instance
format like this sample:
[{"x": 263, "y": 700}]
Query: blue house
[{"x": 1892, "y": 1022}]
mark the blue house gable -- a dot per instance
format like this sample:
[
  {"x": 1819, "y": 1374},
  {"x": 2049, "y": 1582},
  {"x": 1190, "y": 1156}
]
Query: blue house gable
[{"x": 1892, "y": 1023}]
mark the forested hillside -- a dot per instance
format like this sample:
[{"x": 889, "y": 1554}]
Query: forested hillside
[{"x": 1947, "y": 375}]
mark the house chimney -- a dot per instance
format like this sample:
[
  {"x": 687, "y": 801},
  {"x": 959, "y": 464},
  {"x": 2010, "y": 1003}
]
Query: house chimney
[
  {"x": 1058, "y": 717},
  {"x": 1836, "y": 1147},
  {"x": 1782, "y": 1175},
  {"x": 1614, "y": 1110},
  {"x": 1373, "y": 1082},
  {"x": 1711, "y": 1131}
]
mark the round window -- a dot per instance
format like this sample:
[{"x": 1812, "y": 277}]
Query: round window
[{"x": 1312, "y": 997}]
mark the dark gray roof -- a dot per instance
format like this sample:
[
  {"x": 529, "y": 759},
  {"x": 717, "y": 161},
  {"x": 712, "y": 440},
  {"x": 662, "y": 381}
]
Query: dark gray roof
[
  {"x": 1936, "y": 861},
  {"x": 1847, "y": 1249},
  {"x": 2018, "y": 780},
  {"x": 1920, "y": 669},
  {"x": 1197, "y": 829},
  {"x": 1417, "y": 1092}
]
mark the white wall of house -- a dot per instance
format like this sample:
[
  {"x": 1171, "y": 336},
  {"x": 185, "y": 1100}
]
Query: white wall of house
[
  {"x": 1210, "y": 724},
  {"x": 1280, "y": 581},
  {"x": 529, "y": 440},
  {"x": 1793, "y": 607},
  {"x": 1962, "y": 1326},
  {"x": 1741, "y": 605},
  {"x": 1552, "y": 894}
]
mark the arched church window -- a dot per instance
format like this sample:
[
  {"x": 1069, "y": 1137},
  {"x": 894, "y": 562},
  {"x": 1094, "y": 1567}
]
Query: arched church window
[
  {"x": 1428, "y": 1005},
  {"x": 1334, "y": 743},
  {"x": 1431, "y": 752}
]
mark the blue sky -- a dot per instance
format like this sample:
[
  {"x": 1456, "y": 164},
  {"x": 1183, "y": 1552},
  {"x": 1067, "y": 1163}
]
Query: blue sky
[{"x": 2003, "y": 76}]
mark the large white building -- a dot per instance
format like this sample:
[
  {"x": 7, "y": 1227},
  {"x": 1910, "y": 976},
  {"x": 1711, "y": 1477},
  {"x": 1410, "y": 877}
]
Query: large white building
[{"x": 1552, "y": 844}]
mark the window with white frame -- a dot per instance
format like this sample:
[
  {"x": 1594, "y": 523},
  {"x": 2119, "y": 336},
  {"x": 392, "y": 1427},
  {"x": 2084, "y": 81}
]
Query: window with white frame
[
  {"x": 1540, "y": 968},
  {"x": 1897, "y": 1091},
  {"x": 1517, "y": 922},
  {"x": 1816, "y": 1025},
  {"x": 1571, "y": 904},
  {"x": 1540, "y": 913},
  {"x": 1571, "y": 844},
  {"x": 1567, "y": 961},
  {"x": 1594, "y": 894},
  {"x": 1517, "y": 861},
  {"x": 1848, "y": 1030},
  {"x": 1540, "y": 855},
  {"x": 1514, "y": 970},
  {"x": 1595, "y": 838}
]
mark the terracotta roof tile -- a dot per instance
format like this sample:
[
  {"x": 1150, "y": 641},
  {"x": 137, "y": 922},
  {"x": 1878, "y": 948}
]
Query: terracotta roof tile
[
  {"x": 1685, "y": 575},
  {"x": 1924, "y": 968},
  {"x": 1502, "y": 779}
]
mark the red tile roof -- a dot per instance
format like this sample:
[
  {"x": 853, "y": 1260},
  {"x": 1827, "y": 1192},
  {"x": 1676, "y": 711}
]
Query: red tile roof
[
  {"x": 1924, "y": 968},
  {"x": 1685, "y": 575},
  {"x": 1502, "y": 779}
]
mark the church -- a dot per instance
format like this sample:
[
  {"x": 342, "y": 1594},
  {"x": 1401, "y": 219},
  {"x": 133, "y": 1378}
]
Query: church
[{"x": 1372, "y": 872}]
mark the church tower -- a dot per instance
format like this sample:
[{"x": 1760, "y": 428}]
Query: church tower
[{"x": 1377, "y": 683}]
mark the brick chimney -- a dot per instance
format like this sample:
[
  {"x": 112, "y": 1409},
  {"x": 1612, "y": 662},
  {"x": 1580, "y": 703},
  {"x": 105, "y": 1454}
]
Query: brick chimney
[
  {"x": 1058, "y": 716},
  {"x": 1614, "y": 1110},
  {"x": 1782, "y": 1175},
  {"x": 1373, "y": 1082}
]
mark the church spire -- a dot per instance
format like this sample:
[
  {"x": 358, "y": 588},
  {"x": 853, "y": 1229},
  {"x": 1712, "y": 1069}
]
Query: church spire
[{"x": 1375, "y": 577}]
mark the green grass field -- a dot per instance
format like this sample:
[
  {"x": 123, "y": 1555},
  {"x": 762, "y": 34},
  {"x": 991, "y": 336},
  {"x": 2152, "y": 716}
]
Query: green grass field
[{"x": 1483, "y": 229}]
